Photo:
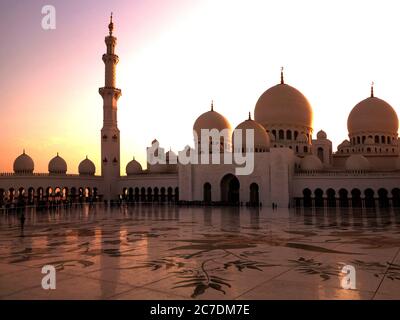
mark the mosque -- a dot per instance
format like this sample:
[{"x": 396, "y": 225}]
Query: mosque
[{"x": 291, "y": 167}]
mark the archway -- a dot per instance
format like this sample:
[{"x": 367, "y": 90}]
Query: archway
[
  {"x": 319, "y": 198},
  {"x": 31, "y": 195},
  {"x": 307, "y": 201},
  {"x": 149, "y": 194},
  {"x": 396, "y": 197},
  {"x": 320, "y": 154},
  {"x": 2, "y": 192},
  {"x": 254, "y": 194},
  {"x": 169, "y": 194},
  {"x": 230, "y": 189},
  {"x": 369, "y": 198},
  {"x": 130, "y": 194},
  {"x": 383, "y": 198},
  {"x": 95, "y": 194},
  {"x": 65, "y": 193},
  {"x": 73, "y": 194},
  {"x": 156, "y": 194},
  {"x": 137, "y": 194},
  {"x": 39, "y": 194},
  {"x": 331, "y": 198},
  {"x": 21, "y": 195},
  {"x": 207, "y": 192},
  {"x": 143, "y": 194},
  {"x": 81, "y": 193},
  {"x": 356, "y": 198}
]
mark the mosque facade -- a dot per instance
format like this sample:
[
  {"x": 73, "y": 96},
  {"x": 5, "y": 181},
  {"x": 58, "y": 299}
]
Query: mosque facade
[{"x": 291, "y": 167}]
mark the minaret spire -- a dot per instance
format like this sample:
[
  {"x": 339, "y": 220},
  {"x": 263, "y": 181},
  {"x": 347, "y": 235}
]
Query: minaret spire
[
  {"x": 282, "y": 78},
  {"x": 372, "y": 89},
  {"x": 111, "y": 25}
]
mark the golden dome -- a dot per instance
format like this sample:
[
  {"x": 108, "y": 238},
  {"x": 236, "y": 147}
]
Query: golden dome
[
  {"x": 346, "y": 143},
  {"x": 211, "y": 120},
  {"x": 57, "y": 165},
  {"x": 23, "y": 164},
  {"x": 283, "y": 105},
  {"x": 321, "y": 135},
  {"x": 373, "y": 115},
  {"x": 87, "y": 167},
  {"x": 311, "y": 163},
  {"x": 357, "y": 162},
  {"x": 133, "y": 167},
  {"x": 261, "y": 137}
]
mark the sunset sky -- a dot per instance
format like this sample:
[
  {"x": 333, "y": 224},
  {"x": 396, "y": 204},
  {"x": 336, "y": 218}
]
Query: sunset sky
[{"x": 175, "y": 57}]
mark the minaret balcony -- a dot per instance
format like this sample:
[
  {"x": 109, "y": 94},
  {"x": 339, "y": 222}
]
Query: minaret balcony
[
  {"x": 110, "y": 91},
  {"x": 107, "y": 57}
]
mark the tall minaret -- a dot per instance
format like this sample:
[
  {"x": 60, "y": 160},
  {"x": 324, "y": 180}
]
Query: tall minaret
[{"x": 110, "y": 143}]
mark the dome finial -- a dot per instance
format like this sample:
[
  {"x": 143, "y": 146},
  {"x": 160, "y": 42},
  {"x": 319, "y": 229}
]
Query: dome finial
[
  {"x": 282, "y": 78},
  {"x": 212, "y": 105},
  {"x": 249, "y": 115},
  {"x": 57, "y": 154},
  {"x": 86, "y": 156},
  {"x": 372, "y": 89},
  {"x": 111, "y": 24},
  {"x": 133, "y": 158}
]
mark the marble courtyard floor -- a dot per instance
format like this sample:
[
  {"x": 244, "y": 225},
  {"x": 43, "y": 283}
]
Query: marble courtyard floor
[{"x": 168, "y": 252}]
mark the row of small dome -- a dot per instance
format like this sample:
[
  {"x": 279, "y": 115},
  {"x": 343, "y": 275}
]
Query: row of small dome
[
  {"x": 24, "y": 164},
  {"x": 285, "y": 105}
]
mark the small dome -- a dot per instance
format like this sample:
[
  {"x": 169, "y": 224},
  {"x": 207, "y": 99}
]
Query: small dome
[
  {"x": 133, "y": 167},
  {"x": 87, "y": 167},
  {"x": 57, "y": 165},
  {"x": 302, "y": 138},
  {"x": 321, "y": 135},
  {"x": 357, "y": 162},
  {"x": 345, "y": 144},
  {"x": 211, "y": 120},
  {"x": 261, "y": 137},
  {"x": 373, "y": 115},
  {"x": 369, "y": 141},
  {"x": 283, "y": 105},
  {"x": 23, "y": 164},
  {"x": 311, "y": 163}
]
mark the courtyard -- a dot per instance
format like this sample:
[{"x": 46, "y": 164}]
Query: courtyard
[{"x": 176, "y": 252}]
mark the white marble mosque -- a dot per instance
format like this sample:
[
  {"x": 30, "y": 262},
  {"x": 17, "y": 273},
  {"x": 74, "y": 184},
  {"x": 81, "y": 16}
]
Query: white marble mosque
[{"x": 293, "y": 166}]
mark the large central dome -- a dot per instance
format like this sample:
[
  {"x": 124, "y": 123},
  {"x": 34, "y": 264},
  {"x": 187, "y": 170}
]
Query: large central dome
[{"x": 283, "y": 105}]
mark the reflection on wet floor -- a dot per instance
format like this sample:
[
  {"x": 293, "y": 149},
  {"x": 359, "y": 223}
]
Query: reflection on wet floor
[{"x": 145, "y": 252}]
